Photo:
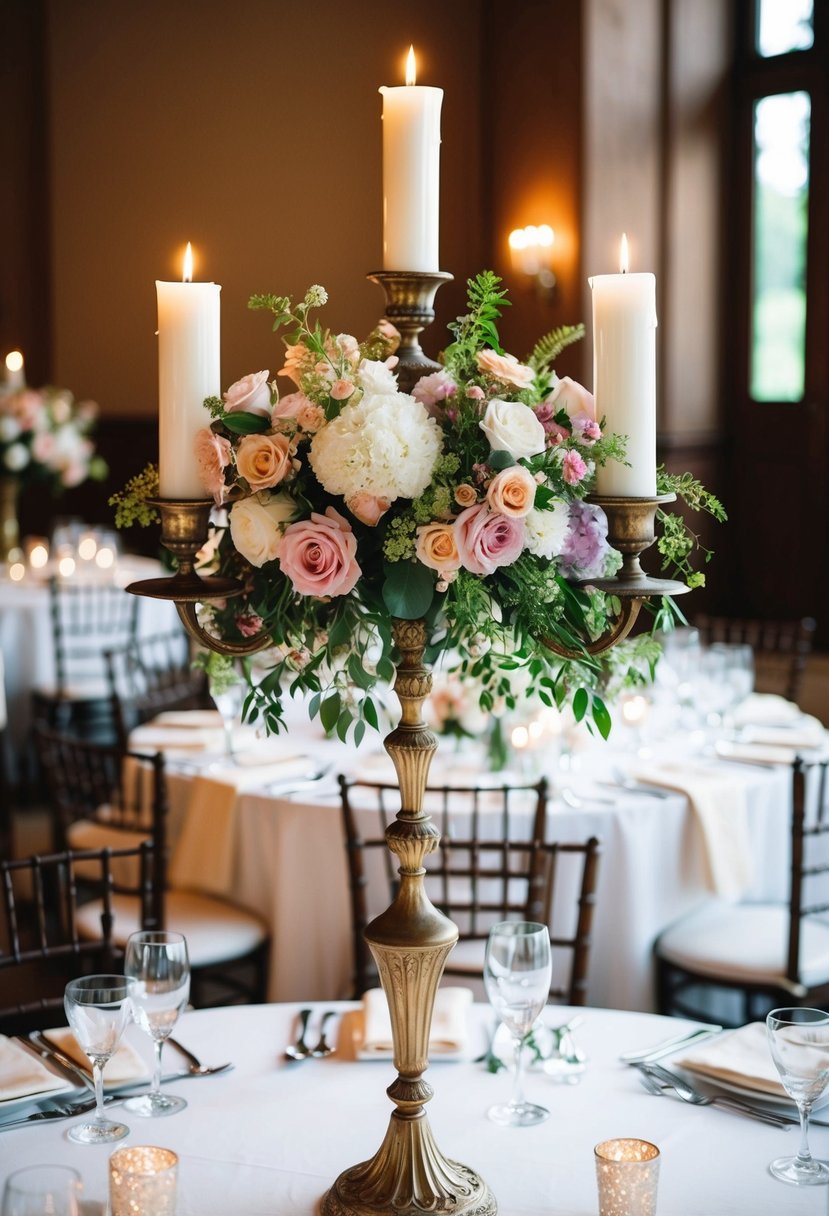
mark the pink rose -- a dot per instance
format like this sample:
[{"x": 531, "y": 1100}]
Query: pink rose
[
  {"x": 318, "y": 555},
  {"x": 263, "y": 460},
  {"x": 505, "y": 369},
  {"x": 368, "y": 508},
  {"x": 573, "y": 398},
  {"x": 249, "y": 624},
  {"x": 486, "y": 539},
  {"x": 213, "y": 454},
  {"x": 250, "y": 395},
  {"x": 573, "y": 468},
  {"x": 434, "y": 388},
  {"x": 512, "y": 491}
]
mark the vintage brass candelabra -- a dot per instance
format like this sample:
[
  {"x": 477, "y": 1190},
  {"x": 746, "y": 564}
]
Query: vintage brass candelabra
[{"x": 410, "y": 941}]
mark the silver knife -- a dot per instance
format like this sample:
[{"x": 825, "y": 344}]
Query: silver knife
[
  {"x": 647, "y": 1054},
  {"x": 66, "y": 1111},
  {"x": 50, "y": 1051}
]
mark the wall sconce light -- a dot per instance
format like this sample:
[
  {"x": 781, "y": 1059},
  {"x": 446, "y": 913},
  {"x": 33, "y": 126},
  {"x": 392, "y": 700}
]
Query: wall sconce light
[{"x": 531, "y": 254}]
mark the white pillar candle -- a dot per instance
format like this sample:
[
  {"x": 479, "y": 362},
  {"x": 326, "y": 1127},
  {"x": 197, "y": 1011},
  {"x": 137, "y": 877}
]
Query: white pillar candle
[
  {"x": 188, "y": 371},
  {"x": 15, "y": 375},
  {"x": 411, "y": 174},
  {"x": 624, "y": 376}
]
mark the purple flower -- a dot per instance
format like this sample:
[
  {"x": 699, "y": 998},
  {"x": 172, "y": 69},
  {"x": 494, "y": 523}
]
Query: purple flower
[{"x": 586, "y": 545}]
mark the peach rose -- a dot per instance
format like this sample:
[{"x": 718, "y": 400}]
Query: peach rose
[
  {"x": 573, "y": 398},
  {"x": 250, "y": 395},
  {"x": 505, "y": 368},
  {"x": 512, "y": 491},
  {"x": 466, "y": 495},
  {"x": 435, "y": 547},
  {"x": 263, "y": 460},
  {"x": 368, "y": 508},
  {"x": 318, "y": 555},
  {"x": 213, "y": 454}
]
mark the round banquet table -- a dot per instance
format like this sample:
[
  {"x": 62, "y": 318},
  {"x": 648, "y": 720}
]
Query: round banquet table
[{"x": 267, "y": 1138}]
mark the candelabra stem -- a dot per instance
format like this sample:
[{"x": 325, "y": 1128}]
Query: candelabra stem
[
  {"x": 410, "y": 941},
  {"x": 410, "y": 296}
]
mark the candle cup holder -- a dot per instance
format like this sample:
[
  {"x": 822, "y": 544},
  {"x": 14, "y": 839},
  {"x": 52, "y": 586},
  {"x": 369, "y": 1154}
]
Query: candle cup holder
[
  {"x": 630, "y": 530},
  {"x": 410, "y": 296},
  {"x": 184, "y": 527}
]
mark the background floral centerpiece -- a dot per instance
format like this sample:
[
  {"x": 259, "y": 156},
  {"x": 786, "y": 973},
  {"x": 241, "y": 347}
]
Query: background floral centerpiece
[
  {"x": 45, "y": 435},
  {"x": 346, "y": 502}
]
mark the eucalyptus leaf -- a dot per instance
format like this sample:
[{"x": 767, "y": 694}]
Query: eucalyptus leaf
[
  {"x": 330, "y": 711},
  {"x": 408, "y": 589},
  {"x": 245, "y": 424},
  {"x": 499, "y": 459}
]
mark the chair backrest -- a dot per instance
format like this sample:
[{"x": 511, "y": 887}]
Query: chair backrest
[
  {"x": 493, "y": 864},
  {"x": 41, "y": 948},
  {"x": 809, "y": 891},
  {"x": 87, "y": 619},
  {"x": 122, "y": 794},
  {"x": 149, "y": 675},
  {"x": 781, "y": 648}
]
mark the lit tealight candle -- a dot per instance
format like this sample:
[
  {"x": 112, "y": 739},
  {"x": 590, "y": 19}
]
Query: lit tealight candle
[
  {"x": 520, "y": 737},
  {"x": 17, "y": 572},
  {"x": 66, "y": 566},
  {"x": 142, "y": 1181},
  {"x": 104, "y": 558},
  {"x": 15, "y": 375},
  {"x": 188, "y": 371},
  {"x": 624, "y": 375},
  {"x": 411, "y": 174},
  {"x": 635, "y": 709},
  {"x": 87, "y": 546}
]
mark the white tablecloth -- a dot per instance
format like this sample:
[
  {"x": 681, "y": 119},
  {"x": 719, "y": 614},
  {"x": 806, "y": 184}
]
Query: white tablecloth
[
  {"x": 287, "y": 862},
  {"x": 268, "y": 1138}
]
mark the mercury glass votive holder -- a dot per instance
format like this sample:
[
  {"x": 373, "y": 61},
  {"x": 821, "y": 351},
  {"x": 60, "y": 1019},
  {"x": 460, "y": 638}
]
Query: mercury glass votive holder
[
  {"x": 142, "y": 1181},
  {"x": 627, "y": 1172}
]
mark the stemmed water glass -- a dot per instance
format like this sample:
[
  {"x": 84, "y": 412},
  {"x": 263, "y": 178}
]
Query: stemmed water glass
[
  {"x": 158, "y": 963},
  {"x": 39, "y": 1189},
  {"x": 799, "y": 1042},
  {"x": 228, "y": 697},
  {"x": 517, "y": 972},
  {"x": 98, "y": 1009}
]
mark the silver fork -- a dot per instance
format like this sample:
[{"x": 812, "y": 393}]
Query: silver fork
[{"x": 657, "y": 1080}]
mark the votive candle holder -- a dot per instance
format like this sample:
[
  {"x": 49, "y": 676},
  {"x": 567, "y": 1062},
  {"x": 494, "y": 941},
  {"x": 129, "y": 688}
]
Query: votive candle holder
[
  {"x": 627, "y": 1171},
  {"x": 142, "y": 1181}
]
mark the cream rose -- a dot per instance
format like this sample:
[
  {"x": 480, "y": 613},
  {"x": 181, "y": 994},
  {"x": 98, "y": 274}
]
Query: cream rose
[
  {"x": 435, "y": 547},
  {"x": 263, "y": 460},
  {"x": 257, "y": 524},
  {"x": 573, "y": 398},
  {"x": 251, "y": 395},
  {"x": 505, "y": 368},
  {"x": 512, "y": 427},
  {"x": 512, "y": 491}
]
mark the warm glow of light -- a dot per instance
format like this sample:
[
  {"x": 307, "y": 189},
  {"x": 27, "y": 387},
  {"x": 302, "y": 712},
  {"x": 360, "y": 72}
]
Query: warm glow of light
[
  {"x": 520, "y": 737},
  {"x": 634, "y": 709},
  {"x": 545, "y": 235},
  {"x": 536, "y": 729},
  {"x": 518, "y": 238},
  {"x": 38, "y": 556},
  {"x": 104, "y": 558},
  {"x": 187, "y": 273},
  {"x": 17, "y": 571},
  {"x": 411, "y": 67},
  {"x": 87, "y": 548},
  {"x": 14, "y": 361},
  {"x": 624, "y": 257},
  {"x": 66, "y": 567}
]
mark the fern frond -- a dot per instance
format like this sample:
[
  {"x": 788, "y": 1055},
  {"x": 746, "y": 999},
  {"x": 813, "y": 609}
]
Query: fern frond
[{"x": 548, "y": 348}]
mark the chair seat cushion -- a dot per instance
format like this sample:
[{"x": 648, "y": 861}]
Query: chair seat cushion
[
  {"x": 745, "y": 942},
  {"x": 216, "y": 931}
]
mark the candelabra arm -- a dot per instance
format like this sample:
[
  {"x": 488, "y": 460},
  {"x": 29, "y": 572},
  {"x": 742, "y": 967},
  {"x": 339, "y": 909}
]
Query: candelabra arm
[
  {"x": 190, "y": 621},
  {"x": 618, "y": 632}
]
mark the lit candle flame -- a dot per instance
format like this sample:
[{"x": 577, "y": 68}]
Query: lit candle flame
[
  {"x": 187, "y": 273},
  {"x": 411, "y": 67},
  {"x": 624, "y": 259},
  {"x": 14, "y": 361}
]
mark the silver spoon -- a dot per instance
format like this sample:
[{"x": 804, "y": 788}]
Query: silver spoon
[
  {"x": 300, "y": 1049},
  {"x": 323, "y": 1047},
  {"x": 197, "y": 1069}
]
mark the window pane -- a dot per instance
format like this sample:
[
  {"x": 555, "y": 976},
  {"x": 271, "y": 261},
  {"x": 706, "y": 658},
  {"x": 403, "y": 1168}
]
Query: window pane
[
  {"x": 781, "y": 196},
  {"x": 784, "y": 25}
]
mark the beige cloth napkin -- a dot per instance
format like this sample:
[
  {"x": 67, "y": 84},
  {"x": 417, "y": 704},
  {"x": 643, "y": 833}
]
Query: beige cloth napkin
[
  {"x": 448, "y": 1033},
  {"x": 740, "y": 1057},
  {"x": 719, "y": 803},
  {"x": 21, "y": 1074},
  {"x": 755, "y": 753},
  {"x": 189, "y": 719},
  {"x": 805, "y": 731},
  {"x": 124, "y": 1065},
  {"x": 766, "y": 709}
]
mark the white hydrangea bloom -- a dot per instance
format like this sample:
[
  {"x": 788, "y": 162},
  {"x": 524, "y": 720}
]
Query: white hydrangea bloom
[
  {"x": 385, "y": 445},
  {"x": 546, "y": 531},
  {"x": 374, "y": 377}
]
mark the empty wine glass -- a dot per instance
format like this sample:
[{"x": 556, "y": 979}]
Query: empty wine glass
[
  {"x": 98, "y": 1009},
  {"x": 799, "y": 1042},
  {"x": 160, "y": 969},
  {"x": 43, "y": 1190},
  {"x": 517, "y": 971},
  {"x": 228, "y": 697}
]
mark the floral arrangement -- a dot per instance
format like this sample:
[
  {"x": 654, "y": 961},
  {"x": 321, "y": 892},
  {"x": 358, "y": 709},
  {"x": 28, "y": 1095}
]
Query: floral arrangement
[
  {"x": 346, "y": 502},
  {"x": 45, "y": 436}
]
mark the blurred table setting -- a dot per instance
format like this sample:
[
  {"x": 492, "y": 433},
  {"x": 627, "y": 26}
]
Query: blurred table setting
[{"x": 272, "y": 1133}]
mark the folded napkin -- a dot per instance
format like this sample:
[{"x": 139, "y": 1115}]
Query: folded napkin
[
  {"x": 740, "y": 1057},
  {"x": 804, "y": 731},
  {"x": 766, "y": 709},
  {"x": 755, "y": 753},
  {"x": 125, "y": 1064},
  {"x": 718, "y": 800},
  {"x": 22, "y": 1075},
  {"x": 448, "y": 1033},
  {"x": 189, "y": 719}
]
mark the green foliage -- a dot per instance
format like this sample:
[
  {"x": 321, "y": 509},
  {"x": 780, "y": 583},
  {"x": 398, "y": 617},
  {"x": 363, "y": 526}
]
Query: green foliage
[
  {"x": 408, "y": 590},
  {"x": 131, "y": 506},
  {"x": 221, "y": 670},
  {"x": 547, "y": 349},
  {"x": 677, "y": 542},
  {"x": 477, "y": 329}
]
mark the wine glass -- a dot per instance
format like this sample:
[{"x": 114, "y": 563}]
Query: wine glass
[
  {"x": 228, "y": 698},
  {"x": 160, "y": 969},
  {"x": 799, "y": 1042},
  {"x": 517, "y": 971},
  {"x": 98, "y": 1008},
  {"x": 43, "y": 1190}
]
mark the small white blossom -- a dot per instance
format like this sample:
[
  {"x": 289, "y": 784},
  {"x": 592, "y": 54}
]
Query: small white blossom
[{"x": 316, "y": 296}]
